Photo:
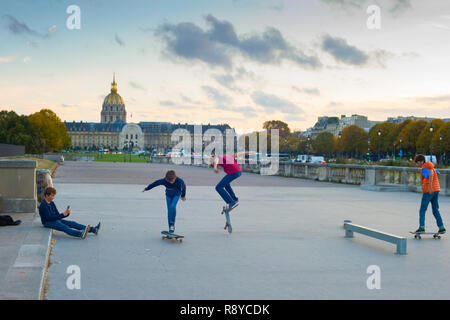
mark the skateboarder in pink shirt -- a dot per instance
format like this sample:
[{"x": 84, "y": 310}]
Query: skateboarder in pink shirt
[{"x": 233, "y": 171}]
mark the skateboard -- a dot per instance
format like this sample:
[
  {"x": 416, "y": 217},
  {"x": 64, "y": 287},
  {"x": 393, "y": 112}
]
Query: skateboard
[
  {"x": 417, "y": 235},
  {"x": 228, "y": 221},
  {"x": 167, "y": 235}
]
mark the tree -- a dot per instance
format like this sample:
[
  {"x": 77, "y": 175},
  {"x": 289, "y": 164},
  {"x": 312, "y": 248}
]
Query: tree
[
  {"x": 424, "y": 139},
  {"x": 50, "y": 129},
  {"x": 410, "y": 134},
  {"x": 353, "y": 140},
  {"x": 385, "y": 141},
  {"x": 15, "y": 129},
  {"x": 283, "y": 127},
  {"x": 324, "y": 143}
]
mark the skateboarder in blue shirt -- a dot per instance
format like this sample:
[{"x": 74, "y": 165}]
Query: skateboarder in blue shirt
[{"x": 175, "y": 188}]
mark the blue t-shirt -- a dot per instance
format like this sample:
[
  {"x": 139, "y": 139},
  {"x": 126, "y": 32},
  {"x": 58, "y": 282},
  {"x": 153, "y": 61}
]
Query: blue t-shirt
[{"x": 172, "y": 189}]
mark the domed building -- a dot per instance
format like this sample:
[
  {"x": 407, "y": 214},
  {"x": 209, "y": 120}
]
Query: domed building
[
  {"x": 113, "y": 109},
  {"x": 114, "y": 133}
]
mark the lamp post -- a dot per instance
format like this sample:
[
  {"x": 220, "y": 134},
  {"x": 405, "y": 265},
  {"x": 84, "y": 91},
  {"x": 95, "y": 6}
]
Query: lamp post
[
  {"x": 393, "y": 155},
  {"x": 368, "y": 149},
  {"x": 401, "y": 151},
  {"x": 339, "y": 142},
  {"x": 431, "y": 141},
  {"x": 440, "y": 148},
  {"x": 379, "y": 144},
  {"x": 307, "y": 149}
]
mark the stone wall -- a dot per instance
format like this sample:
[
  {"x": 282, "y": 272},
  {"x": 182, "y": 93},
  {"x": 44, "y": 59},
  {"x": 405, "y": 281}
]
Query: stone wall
[{"x": 17, "y": 186}]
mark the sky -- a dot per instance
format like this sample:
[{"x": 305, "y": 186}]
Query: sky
[{"x": 240, "y": 62}]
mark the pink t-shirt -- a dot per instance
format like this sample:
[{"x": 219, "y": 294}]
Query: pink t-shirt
[{"x": 229, "y": 164}]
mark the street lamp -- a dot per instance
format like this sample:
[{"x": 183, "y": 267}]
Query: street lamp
[
  {"x": 307, "y": 149},
  {"x": 440, "y": 147},
  {"x": 379, "y": 144},
  {"x": 394, "y": 151},
  {"x": 401, "y": 151},
  {"x": 431, "y": 141},
  {"x": 339, "y": 143}
]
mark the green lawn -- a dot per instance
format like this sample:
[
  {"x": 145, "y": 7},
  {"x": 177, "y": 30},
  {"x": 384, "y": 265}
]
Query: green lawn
[{"x": 112, "y": 157}]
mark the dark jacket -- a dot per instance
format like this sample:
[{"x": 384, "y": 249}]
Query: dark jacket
[
  {"x": 48, "y": 212},
  {"x": 172, "y": 189}
]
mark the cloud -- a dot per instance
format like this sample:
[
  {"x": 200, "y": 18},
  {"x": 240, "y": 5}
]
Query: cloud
[
  {"x": 186, "y": 40},
  {"x": 343, "y": 52},
  {"x": 189, "y": 100},
  {"x": 395, "y": 6},
  {"x": 310, "y": 91},
  {"x": 7, "y": 59},
  {"x": 248, "y": 112},
  {"x": 18, "y": 28},
  {"x": 432, "y": 100},
  {"x": 215, "y": 95},
  {"x": 227, "y": 81},
  {"x": 137, "y": 86},
  {"x": 119, "y": 41},
  {"x": 272, "y": 103},
  {"x": 167, "y": 103},
  {"x": 52, "y": 29},
  {"x": 26, "y": 59},
  {"x": 220, "y": 43}
]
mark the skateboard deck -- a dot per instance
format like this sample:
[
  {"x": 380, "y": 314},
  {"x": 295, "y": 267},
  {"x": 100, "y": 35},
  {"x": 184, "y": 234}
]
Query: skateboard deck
[
  {"x": 418, "y": 235},
  {"x": 167, "y": 235},
  {"x": 228, "y": 221}
]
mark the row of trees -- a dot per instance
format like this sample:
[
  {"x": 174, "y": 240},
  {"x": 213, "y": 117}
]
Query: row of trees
[
  {"x": 387, "y": 139},
  {"x": 39, "y": 132}
]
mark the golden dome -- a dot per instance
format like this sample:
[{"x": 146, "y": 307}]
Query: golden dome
[{"x": 113, "y": 98}]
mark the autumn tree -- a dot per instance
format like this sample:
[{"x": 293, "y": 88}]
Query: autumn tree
[
  {"x": 324, "y": 143},
  {"x": 50, "y": 129},
  {"x": 425, "y": 136},
  {"x": 410, "y": 134},
  {"x": 353, "y": 140},
  {"x": 283, "y": 127},
  {"x": 15, "y": 129}
]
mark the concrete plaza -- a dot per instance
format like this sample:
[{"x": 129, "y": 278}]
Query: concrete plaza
[{"x": 287, "y": 240}]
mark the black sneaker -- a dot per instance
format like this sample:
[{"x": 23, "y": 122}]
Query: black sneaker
[
  {"x": 171, "y": 228},
  {"x": 97, "y": 228},
  {"x": 442, "y": 230},
  {"x": 420, "y": 230}
]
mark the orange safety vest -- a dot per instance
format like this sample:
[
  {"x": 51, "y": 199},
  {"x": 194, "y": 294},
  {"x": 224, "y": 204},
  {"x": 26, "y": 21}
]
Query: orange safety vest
[{"x": 426, "y": 182}]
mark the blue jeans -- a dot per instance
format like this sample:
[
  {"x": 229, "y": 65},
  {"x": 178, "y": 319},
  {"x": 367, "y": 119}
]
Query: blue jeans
[
  {"x": 70, "y": 227},
  {"x": 172, "y": 208},
  {"x": 224, "y": 188},
  {"x": 426, "y": 199}
]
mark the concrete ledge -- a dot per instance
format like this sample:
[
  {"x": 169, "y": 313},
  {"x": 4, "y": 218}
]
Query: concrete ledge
[
  {"x": 17, "y": 205},
  {"x": 387, "y": 188},
  {"x": 17, "y": 163},
  {"x": 24, "y": 253}
]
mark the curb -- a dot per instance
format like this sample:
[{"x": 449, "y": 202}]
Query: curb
[{"x": 45, "y": 267}]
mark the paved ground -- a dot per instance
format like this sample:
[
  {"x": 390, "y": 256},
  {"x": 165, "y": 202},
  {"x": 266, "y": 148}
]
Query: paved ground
[
  {"x": 23, "y": 255},
  {"x": 287, "y": 240}
]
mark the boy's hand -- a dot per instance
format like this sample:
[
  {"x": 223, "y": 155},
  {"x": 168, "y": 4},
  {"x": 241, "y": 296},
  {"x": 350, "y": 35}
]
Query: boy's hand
[
  {"x": 216, "y": 170},
  {"x": 183, "y": 198},
  {"x": 67, "y": 212},
  {"x": 143, "y": 190}
]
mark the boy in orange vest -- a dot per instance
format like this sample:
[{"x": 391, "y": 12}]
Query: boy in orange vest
[{"x": 430, "y": 190}]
